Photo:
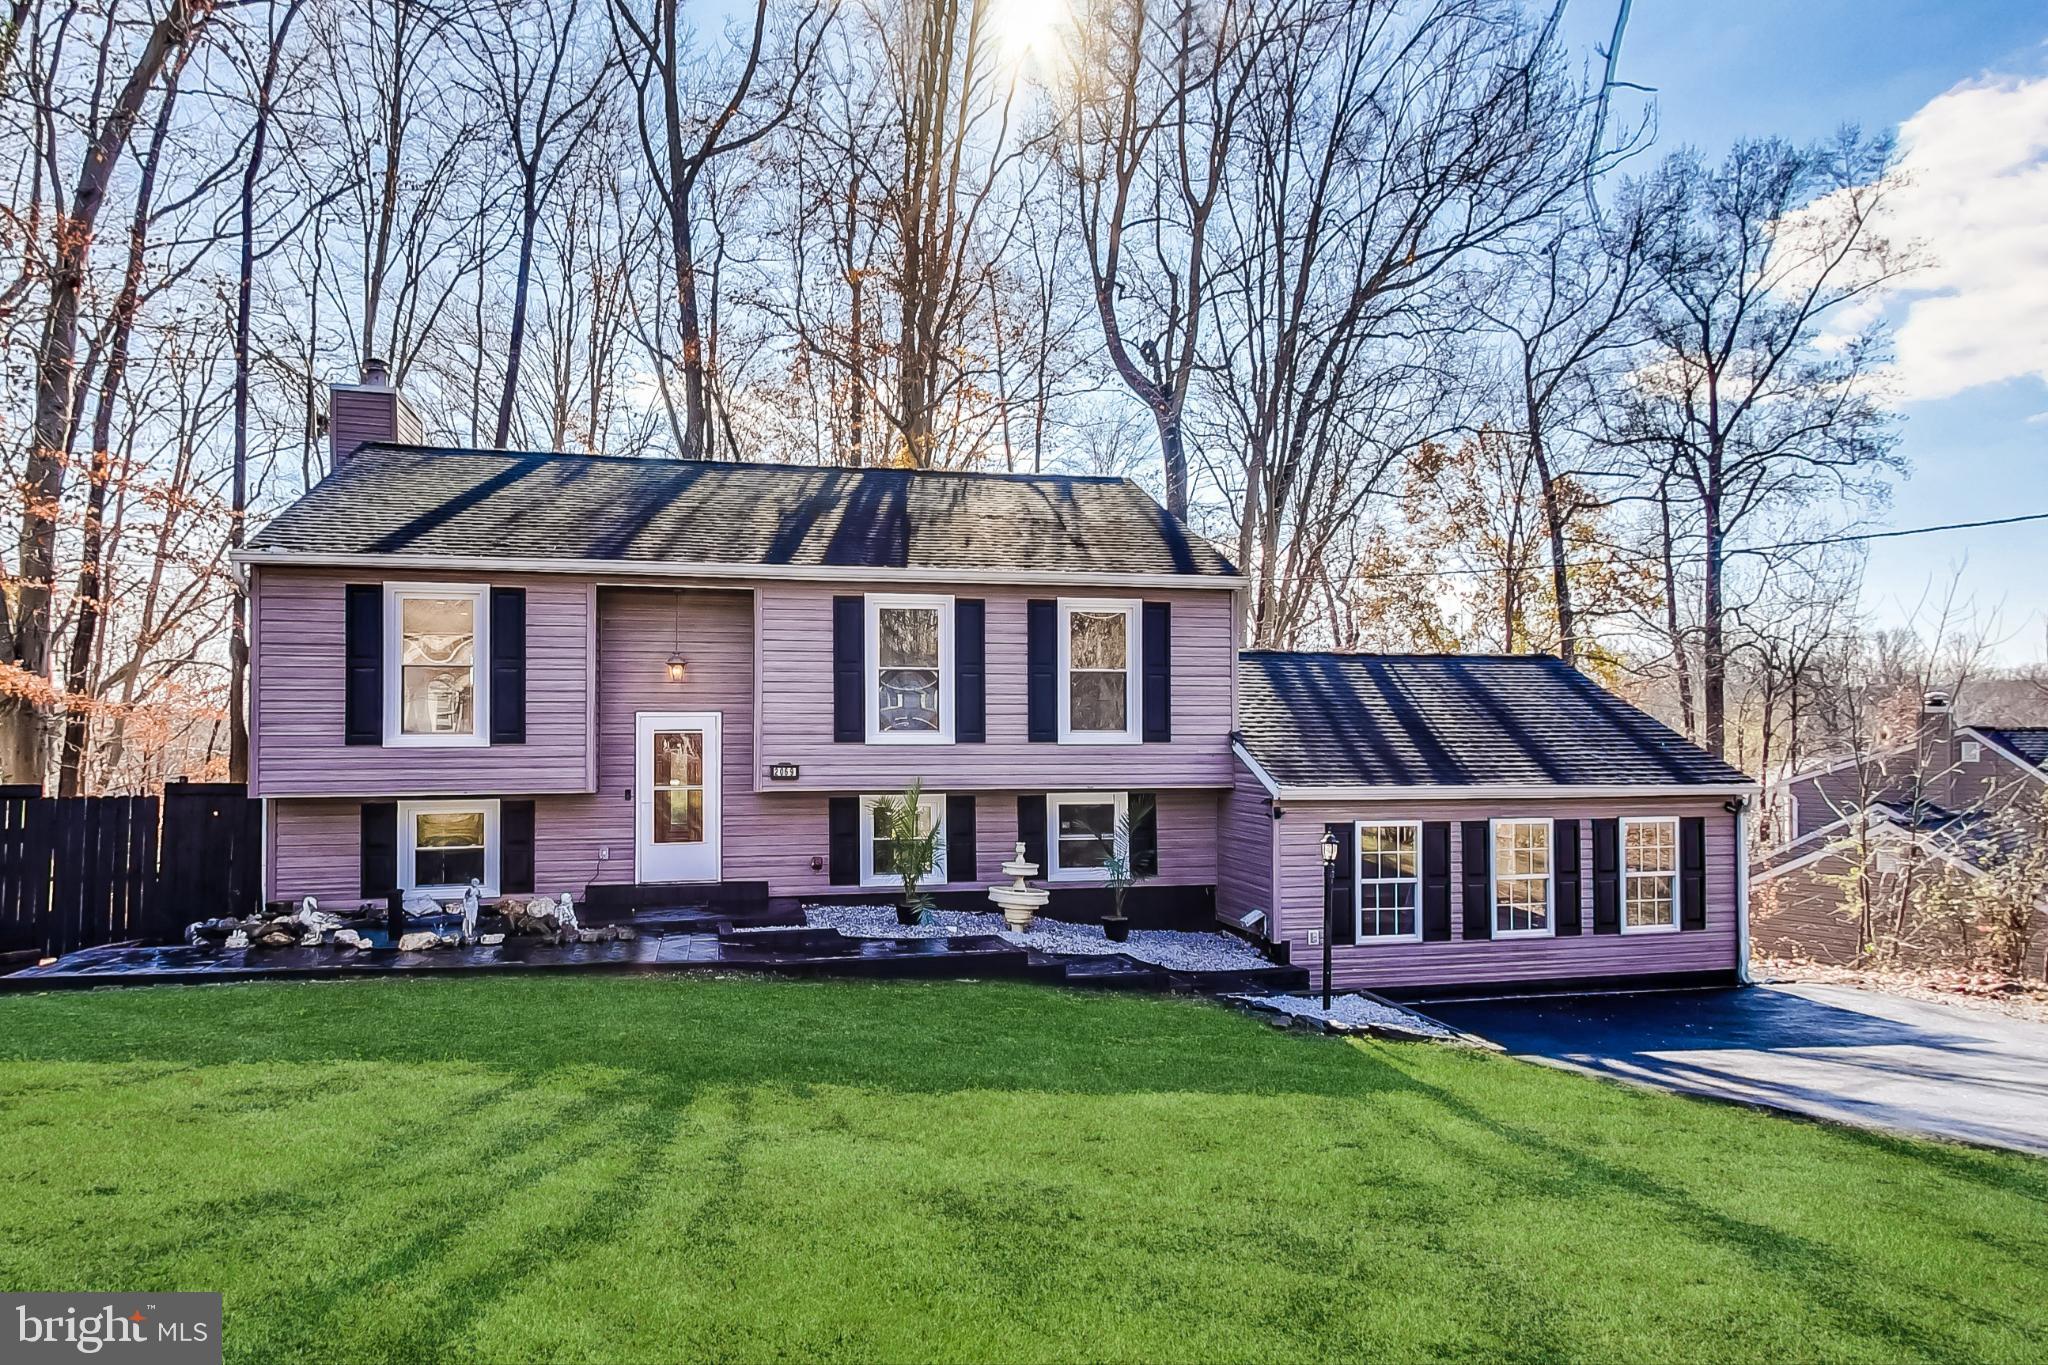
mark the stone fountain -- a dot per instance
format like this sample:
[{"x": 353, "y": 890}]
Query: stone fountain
[{"x": 1019, "y": 903}]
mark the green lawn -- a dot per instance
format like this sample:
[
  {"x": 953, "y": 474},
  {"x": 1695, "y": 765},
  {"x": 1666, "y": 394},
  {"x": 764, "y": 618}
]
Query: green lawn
[{"x": 615, "y": 1169}]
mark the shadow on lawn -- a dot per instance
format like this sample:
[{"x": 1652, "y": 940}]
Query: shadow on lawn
[
  {"x": 1819, "y": 1274},
  {"x": 644, "y": 1053}
]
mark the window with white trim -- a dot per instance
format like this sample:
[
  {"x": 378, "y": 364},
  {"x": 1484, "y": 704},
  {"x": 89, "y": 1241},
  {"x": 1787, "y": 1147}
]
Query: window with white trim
[
  {"x": 436, "y": 637},
  {"x": 1521, "y": 879},
  {"x": 1649, "y": 875},
  {"x": 1099, "y": 698},
  {"x": 1084, "y": 831},
  {"x": 1389, "y": 880},
  {"x": 878, "y": 859},
  {"x": 1972, "y": 751},
  {"x": 910, "y": 669},
  {"x": 444, "y": 845}
]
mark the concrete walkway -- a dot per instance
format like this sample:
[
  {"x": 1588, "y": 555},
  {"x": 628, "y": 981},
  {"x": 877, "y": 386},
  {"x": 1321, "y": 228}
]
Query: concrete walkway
[{"x": 1832, "y": 1052}]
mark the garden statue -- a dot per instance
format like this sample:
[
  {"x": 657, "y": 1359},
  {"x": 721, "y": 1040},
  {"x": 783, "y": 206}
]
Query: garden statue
[
  {"x": 565, "y": 915},
  {"x": 1019, "y": 902},
  {"x": 472, "y": 899}
]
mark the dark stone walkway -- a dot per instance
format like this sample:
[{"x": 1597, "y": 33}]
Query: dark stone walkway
[{"x": 781, "y": 951}]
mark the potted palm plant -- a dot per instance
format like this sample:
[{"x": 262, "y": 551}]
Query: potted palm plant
[
  {"x": 911, "y": 844},
  {"x": 1117, "y": 868}
]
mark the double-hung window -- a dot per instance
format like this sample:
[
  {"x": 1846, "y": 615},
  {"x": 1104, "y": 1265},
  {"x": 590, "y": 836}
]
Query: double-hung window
[
  {"x": 444, "y": 845},
  {"x": 1087, "y": 830},
  {"x": 1389, "y": 880},
  {"x": 878, "y": 855},
  {"x": 1521, "y": 878},
  {"x": 1099, "y": 697},
  {"x": 437, "y": 636},
  {"x": 909, "y": 669},
  {"x": 1649, "y": 871}
]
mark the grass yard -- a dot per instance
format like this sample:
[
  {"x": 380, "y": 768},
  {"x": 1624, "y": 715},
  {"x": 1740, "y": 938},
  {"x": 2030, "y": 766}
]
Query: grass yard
[{"x": 644, "y": 1169}]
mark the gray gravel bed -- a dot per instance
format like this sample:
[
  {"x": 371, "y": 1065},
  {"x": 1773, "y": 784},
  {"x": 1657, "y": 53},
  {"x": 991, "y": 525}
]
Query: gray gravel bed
[
  {"x": 1169, "y": 948},
  {"x": 1352, "y": 1011}
]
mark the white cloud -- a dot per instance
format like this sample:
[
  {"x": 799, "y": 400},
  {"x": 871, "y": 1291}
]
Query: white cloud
[{"x": 1976, "y": 158}]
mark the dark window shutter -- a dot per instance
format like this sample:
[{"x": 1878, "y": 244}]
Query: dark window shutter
[
  {"x": 1692, "y": 872},
  {"x": 379, "y": 850},
  {"x": 843, "y": 838},
  {"x": 1031, "y": 831},
  {"x": 1041, "y": 670},
  {"x": 960, "y": 838},
  {"x": 1436, "y": 881},
  {"x": 1144, "y": 813},
  {"x": 515, "y": 847},
  {"x": 1341, "y": 914},
  {"x": 508, "y": 665},
  {"x": 970, "y": 670},
  {"x": 1564, "y": 840},
  {"x": 1477, "y": 839},
  {"x": 363, "y": 685},
  {"x": 1606, "y": 876},
  {"x": 849, "y": 662},
  {"x": 1158, "y": 678}
]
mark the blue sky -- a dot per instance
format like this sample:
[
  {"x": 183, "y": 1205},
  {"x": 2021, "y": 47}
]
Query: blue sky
[{"x": 1970, "y": 82}]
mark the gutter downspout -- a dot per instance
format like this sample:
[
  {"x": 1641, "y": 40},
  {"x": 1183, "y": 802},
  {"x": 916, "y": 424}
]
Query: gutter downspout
[{"x": 1741, "y": 805}]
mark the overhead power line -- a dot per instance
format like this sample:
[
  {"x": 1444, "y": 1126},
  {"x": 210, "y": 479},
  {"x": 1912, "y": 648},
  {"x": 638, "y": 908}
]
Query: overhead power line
[{"x": 1609, "y": 561}]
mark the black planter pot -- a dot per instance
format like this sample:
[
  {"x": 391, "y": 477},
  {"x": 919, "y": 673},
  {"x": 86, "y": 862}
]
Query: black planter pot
[
  {"x": 905, "y": 916},
  {"x": 1117, "y": 928}
]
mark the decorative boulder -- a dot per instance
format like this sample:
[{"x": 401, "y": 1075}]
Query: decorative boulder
[
  {"x": 420, "y": 903},
  {"x": 310, "y": 939},
  {"x": 491, "y": 940},
  {"x": 418, "y": 942},
  {"x": 349, "y": 940}
]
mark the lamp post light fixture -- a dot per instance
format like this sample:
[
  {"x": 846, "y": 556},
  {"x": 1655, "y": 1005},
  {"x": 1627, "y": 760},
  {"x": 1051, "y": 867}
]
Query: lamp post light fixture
[{"x": 1329, "y": 907}]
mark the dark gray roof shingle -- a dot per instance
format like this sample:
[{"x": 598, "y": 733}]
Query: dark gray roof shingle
[
  {"x": 2029, "y": 742},
  {"x": 468, "y": 503},
  {"x": 1329, "y": 720}
]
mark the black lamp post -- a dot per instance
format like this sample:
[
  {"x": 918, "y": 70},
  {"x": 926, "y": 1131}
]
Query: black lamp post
[{"x": 1329, "y": 907}]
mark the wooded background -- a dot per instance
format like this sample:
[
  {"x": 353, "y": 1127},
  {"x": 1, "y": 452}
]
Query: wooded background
[{"x": 1399, "y": 301}]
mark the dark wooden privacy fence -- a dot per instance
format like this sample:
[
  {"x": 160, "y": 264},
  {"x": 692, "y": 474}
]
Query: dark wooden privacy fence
[{"x": 76, "y": 872}]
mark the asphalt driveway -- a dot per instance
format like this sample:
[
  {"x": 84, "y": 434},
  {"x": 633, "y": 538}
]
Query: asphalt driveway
[{"x": 1832, "y": 1052}]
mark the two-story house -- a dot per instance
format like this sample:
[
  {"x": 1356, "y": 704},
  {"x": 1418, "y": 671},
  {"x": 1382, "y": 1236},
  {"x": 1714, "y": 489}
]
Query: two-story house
[{"x": 559, "y": 673}]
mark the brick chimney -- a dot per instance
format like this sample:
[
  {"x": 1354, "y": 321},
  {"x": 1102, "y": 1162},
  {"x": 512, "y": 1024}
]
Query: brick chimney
[
  {"x": 371, "y": 410},
  {"x": 1937, "y": 745}
]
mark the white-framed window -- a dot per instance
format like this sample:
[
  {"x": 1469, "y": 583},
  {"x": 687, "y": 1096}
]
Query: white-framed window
[
  {"x": 1649, "y": 875},
  {"x": 1083, "y": 831},
  {"x": 877, "y": 863},
  {"x": 910, "y": 669},
  {"x": 1521, "y": 879},
  {"x": 1972, "y": 751},
  {"x": 1389, "y": 880},
  {"x": 436, "y": 640},
  {"x": 1099, "y": 683},
  {"x": 442, "y": 845}
]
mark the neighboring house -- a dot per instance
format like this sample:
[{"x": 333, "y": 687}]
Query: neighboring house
[
  {"x": 661, "y": 681},
  {"x": 1913, "y": 827}
]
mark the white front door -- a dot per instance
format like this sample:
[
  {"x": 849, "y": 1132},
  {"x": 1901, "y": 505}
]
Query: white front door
[{"x": 675, "y": 796}]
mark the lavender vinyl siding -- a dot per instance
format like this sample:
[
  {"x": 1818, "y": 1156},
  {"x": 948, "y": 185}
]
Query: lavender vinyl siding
[
  {"x": 297, "y": 696},
  {"x": 1246, "y": 843},
  {"x": 1394, "y": 965},
  {"x": 770, "y": 835},
  {"x": 795, "y": 623}
]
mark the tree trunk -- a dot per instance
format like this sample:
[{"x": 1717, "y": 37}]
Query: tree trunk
[
  {"x": 529, "y": 218},
  {"x": 1553, "y": 518},
  {"x": 22, "y": 749},
  {"x": 1713, "y": 654},
  {"x": 1677, "y": 636},
  {"x": 91, "y": 608}
]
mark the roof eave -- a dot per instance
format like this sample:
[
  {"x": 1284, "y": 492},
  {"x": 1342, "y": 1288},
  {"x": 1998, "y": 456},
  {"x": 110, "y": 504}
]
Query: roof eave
[
  {"x": 805, "y": 573},
  {"x": 1507, "y": 791}
]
